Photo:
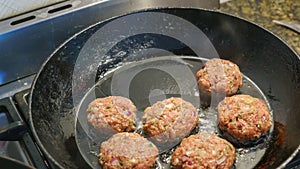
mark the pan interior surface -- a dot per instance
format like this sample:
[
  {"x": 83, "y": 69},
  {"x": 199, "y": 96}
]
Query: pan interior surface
[
  {"x": 271, "y": 72},
  {"x": 149, "y": 77}
]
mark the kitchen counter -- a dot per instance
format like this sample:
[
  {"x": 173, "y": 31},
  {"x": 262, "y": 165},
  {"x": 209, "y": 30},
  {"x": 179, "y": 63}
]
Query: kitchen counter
[{"x": 263, "y": 12}]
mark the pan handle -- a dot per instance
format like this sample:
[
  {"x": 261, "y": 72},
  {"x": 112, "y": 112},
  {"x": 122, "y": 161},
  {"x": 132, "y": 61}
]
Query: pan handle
[{"x": 13, "y": 131}]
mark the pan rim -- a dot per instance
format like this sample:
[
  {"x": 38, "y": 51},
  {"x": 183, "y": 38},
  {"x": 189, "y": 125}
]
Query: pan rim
[{"x": 34, "y": 132}]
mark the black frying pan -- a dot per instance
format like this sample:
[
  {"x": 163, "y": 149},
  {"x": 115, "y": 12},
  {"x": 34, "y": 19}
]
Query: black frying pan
[{"x": 90, "y": 56}]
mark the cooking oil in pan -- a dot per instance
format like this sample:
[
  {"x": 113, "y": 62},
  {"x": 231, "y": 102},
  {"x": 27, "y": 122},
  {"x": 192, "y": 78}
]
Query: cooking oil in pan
[{"x": 161, "y": 75}]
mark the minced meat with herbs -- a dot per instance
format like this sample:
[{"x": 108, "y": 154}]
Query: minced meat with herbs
[
  {"x": 219, "y": 75},
  {"x": 244, "y": 117},
  {"x": 113, "y": 113},
  {"x": 203, "y": 151},
  {"x": 170, "y": 119},
  {"x": 127, "y": 150}
]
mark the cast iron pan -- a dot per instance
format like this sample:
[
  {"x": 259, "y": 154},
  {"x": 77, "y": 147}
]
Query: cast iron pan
[{"x": 90, "y": 58}]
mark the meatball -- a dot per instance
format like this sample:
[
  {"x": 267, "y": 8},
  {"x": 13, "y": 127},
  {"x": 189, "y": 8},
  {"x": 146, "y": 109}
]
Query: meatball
[
  {"x": 170, "y": 119},
  {"x": 244, "y": 117},
  {"x": 219, "y": 75},
  {"x": 113, "y": 113},
  {"x": 127, "y": 150},
  {"x": 203, "y": 151}
]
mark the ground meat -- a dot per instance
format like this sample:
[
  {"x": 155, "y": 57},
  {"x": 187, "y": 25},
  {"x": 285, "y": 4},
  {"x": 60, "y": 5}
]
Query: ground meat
[
  {"x": 203, "y": 151},
  {"x": 219, "y": 75},
  {"x": 170, "y": 119},
  {"x": 127, "y": 150},
  {"x": 244, "y": 117},
  {"x": 113, "y": 113}
]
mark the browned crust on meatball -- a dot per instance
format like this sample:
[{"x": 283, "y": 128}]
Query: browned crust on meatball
[
  {"x": 170, "y": 119},
  {"x": 244, "y": 117},
  {"x": 219, "y": 75},
  {"x": 113, "y": 112},
  {"x": 127, "y": 150},
  {"x": 203, "y": 151}
]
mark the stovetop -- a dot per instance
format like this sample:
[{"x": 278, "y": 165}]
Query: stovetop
[
  {"x": 14, "y": 109},
  {"x": 25, "y": 43}
]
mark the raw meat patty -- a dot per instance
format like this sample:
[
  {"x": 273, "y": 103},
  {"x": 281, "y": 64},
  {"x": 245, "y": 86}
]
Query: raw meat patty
[
  {"x": 127, "y": 150},
  {"x": 113, "y": 113}
]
